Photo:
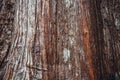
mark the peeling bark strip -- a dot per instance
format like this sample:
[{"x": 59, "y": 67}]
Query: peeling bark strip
[{"x": 61, "y": 40}]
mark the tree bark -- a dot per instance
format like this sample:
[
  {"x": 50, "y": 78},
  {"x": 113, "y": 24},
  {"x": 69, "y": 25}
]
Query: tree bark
[{"x": 63, "y": 40}]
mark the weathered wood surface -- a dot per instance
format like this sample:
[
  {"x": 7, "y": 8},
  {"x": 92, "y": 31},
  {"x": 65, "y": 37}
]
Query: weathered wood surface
[
  {"x": 7, "y": 11},
  {"x": 64, "y": 40},
  {"x": 106, "y": 33}
]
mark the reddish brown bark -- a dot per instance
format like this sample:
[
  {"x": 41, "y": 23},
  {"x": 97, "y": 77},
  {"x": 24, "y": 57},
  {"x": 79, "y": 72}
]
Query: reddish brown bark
[{"x": 61, "y": 40}]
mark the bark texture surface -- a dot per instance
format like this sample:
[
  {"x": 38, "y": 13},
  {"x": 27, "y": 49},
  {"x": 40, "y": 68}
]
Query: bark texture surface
[{"x": 59, "y": 39}]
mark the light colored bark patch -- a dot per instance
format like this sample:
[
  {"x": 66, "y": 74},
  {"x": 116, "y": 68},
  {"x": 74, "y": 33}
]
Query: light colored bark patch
[
  {"x": 117, "y": 23},
  {"x": 70, "y": 66},
  {"x": 81, "y": 51},
  {"x": 72, "y": 40},
  {"x": 68, "y": 3},
  {"x": 66, "y": 54}
]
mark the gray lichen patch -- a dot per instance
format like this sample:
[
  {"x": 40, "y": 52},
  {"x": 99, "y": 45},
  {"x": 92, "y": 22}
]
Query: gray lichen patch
[
  {"x": 68, "y": 3},
  {"x": 80, "y": 51},
  {"x": 72, "y": 40},
  {"x": 117, "y": 23},
  {"x": 66, "y": 54}
]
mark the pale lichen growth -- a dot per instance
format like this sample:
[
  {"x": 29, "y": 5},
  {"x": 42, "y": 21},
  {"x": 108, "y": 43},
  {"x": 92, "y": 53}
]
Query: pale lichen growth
[
  {"x": 66, "y": 54},
  {"x": 117, "y": 23},
  {"x": 68, "y": 3},
  {"x": 39, "y": 75},
  {"x": 72, "y": 40},
  {"x": 81, "y": 51}
]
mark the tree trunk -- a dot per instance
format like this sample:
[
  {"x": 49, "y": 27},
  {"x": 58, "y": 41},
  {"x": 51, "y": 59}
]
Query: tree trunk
[{"x": 62, "y": 40}]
